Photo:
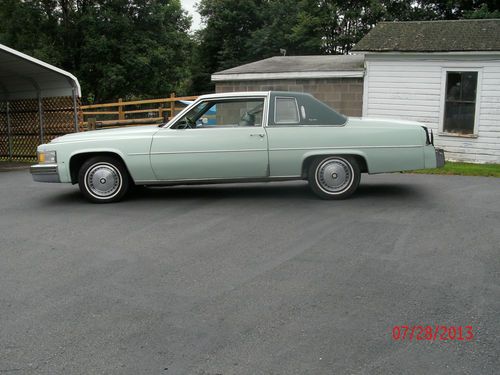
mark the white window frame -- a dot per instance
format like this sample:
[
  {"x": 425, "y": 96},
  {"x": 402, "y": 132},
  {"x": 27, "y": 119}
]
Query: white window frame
[{"x": 460, "y": 68}]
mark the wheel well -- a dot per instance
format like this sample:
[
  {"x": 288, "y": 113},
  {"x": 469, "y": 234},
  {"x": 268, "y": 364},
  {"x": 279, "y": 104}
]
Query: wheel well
[
  {"x": 77, "y": 161},
  {"x": 307, "y": 162}
]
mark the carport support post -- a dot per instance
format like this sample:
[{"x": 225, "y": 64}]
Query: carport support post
[
  {"x": 75, "y": 110},
  {"x": 172, "y": 105},
  {"x": 40, "y": 115},
  {"x": 9, "y": 131}
]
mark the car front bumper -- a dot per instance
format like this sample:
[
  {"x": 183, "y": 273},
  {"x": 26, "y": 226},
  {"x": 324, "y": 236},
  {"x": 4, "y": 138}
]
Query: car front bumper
[
  {"x": 440, "y": 160},
  {"x": 45, "y": 173}
]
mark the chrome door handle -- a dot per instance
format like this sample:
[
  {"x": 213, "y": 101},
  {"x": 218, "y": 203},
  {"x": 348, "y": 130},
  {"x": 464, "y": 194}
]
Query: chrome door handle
[{"x": 257, "y": 135}]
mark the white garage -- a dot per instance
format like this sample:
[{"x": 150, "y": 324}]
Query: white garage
[{"x": 443, "y": 73}]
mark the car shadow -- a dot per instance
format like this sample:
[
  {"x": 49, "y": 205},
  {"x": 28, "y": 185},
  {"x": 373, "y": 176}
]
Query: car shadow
[
  {"x": 387, "y": 190},
  {"x": 298, "y": 191},
  {"x": 282, "y": 191}
]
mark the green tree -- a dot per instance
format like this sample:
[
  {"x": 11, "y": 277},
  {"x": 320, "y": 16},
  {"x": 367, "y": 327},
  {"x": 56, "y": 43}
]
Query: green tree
[
  {"x": 134, "y": 49},
  {"x": 279, "y": 17},
  {"x": 116, "y": 48},
  {"x": 483, "y": 12},
  {"x": 24, "y": 26}
]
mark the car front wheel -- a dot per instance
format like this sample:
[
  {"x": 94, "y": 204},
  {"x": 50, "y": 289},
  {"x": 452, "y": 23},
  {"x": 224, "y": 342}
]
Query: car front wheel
[
  {"x": 334, "y": 177},
  {"x": 103, "y": 179}
]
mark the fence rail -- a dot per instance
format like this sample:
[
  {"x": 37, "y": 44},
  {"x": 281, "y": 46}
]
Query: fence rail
[{"x": 136, "y": 112}]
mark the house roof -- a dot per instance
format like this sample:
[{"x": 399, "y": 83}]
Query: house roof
[
  {"x": 283, "y": 67},
  {"x": 433, "y": 36},
  {"x": 23, "y": 76}
]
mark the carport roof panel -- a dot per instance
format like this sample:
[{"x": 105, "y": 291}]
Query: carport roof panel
[{"x": 24, "y": 77}]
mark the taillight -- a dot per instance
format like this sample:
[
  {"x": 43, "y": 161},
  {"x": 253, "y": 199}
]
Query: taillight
[{"x": 428, "y": 137}]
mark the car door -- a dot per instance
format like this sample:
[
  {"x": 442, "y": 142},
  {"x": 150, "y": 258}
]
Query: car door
[
  {"x": 220, "y": 138},
  {"x": 299, "y": 124}
]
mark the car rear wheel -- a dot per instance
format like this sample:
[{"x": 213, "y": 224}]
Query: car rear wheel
[
  {"x": 103, "y": 179},
  {"x": 334, "y": 177}
]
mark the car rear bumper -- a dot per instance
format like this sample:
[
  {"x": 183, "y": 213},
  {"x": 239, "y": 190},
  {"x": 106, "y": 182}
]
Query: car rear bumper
[
  {"x": 440, "y": 160},
  {"x": 45, "y": 173}
]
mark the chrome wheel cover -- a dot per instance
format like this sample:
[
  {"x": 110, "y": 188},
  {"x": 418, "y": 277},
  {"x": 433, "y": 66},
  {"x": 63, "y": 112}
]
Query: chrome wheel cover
[
  {"x": 334, "y": 175},
  {"x": 103, "y": 180}
]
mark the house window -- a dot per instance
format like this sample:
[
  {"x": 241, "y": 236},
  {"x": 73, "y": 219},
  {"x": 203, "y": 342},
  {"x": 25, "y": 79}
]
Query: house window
[{"x": 460, "y": 102}]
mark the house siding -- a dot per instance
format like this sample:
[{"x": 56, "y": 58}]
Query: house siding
[{"x": 412, "y": 87}]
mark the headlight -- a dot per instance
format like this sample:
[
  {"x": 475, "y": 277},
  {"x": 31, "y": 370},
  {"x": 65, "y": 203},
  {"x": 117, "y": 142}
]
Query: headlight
[{"x": 47, "y": 157}]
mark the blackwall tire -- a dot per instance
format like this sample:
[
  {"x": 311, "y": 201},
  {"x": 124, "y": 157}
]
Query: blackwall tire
[
  {"x": 334, "y": 177},
  {"x": 103, "y": 179}
]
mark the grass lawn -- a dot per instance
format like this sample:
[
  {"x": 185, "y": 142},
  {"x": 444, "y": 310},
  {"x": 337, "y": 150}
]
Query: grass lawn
[{"x": 464, "y": 169}]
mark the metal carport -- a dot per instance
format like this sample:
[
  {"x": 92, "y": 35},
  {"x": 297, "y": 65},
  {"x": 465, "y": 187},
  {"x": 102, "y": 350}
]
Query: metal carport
[{"x": 38, "y": 102}]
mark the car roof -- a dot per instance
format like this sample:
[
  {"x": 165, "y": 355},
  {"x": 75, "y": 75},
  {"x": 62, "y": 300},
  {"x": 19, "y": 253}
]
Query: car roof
[
  {"x": 251, "y": 94},
  {"x": 234, "y": 94}
]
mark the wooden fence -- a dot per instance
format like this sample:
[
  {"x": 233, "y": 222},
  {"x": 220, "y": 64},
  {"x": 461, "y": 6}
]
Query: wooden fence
[{"x": 137, "y": 112}]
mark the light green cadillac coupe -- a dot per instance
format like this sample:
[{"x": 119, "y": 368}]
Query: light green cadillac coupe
[{"x": 239, "y": 137}]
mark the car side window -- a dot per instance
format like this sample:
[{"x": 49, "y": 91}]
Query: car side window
[
  {"x": 286, "y": 111},
  {"x": 223, "y": 114},
  {"x": 302, "y": 109}
]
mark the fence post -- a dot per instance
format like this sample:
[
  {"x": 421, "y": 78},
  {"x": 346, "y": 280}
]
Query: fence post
[
  {"x": 91, "y": 123},
  {"x": 75, "y": 110},
  {"x": 172, "y": 105},
  {"x": 121, "y": 114},
  {"x": 9, "y": 131},
  {"x": 40, "y": 115}
]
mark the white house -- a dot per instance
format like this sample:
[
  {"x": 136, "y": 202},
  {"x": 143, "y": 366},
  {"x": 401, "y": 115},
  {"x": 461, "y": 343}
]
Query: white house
[{"x": 443, "y": 73}]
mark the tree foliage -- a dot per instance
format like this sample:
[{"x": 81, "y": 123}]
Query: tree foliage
[
  {"x": 304, "y": 27},
  {"x": 142, "y": 48},
  {"x": 116, "y": 48}
]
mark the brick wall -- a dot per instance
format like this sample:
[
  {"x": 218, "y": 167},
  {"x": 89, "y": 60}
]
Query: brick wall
[{"x": 343, "y": 94}]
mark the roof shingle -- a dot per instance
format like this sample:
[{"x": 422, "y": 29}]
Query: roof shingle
[
  {"x": 433, "y": 36},
  {"x": 283, "y": 64}
]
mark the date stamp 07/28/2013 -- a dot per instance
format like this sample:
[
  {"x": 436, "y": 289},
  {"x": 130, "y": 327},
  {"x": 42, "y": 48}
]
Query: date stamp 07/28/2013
[{"x": 432, "y": 333}]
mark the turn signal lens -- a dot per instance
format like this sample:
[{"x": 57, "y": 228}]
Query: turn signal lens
[{"x": 47, "y": 157}]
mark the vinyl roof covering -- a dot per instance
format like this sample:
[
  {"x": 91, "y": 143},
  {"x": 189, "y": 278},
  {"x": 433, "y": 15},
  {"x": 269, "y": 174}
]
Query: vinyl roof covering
[
  {"x": 296, "y": 67},
  {"x": 433, "y": 36},
  {"x": 24, "y": 77}
]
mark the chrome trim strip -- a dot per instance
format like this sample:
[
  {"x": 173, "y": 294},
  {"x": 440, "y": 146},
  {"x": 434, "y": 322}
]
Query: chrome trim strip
[
  {"x": 220, "y": 127},
  {"x": 272, "y": 149},
  {"x": 281, "y": 126},
  {"x": 338, "y": 147},
  {"x": 45, "y": 173},
  {"x": 208, "y": 151},
  {"x": 265, "y": 114},
  {"x": 217, "y": 180},
  {"x": 43, "y": 169}
]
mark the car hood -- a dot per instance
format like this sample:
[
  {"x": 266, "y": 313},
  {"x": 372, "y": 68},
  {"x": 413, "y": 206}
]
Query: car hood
[
  {"x": 383, "y": 122},
  {"x": 125, "y": 132}
]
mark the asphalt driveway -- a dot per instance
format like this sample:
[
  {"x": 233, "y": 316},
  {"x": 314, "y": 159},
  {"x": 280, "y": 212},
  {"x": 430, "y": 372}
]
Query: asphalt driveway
[{"x": 250, "y": 279}]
